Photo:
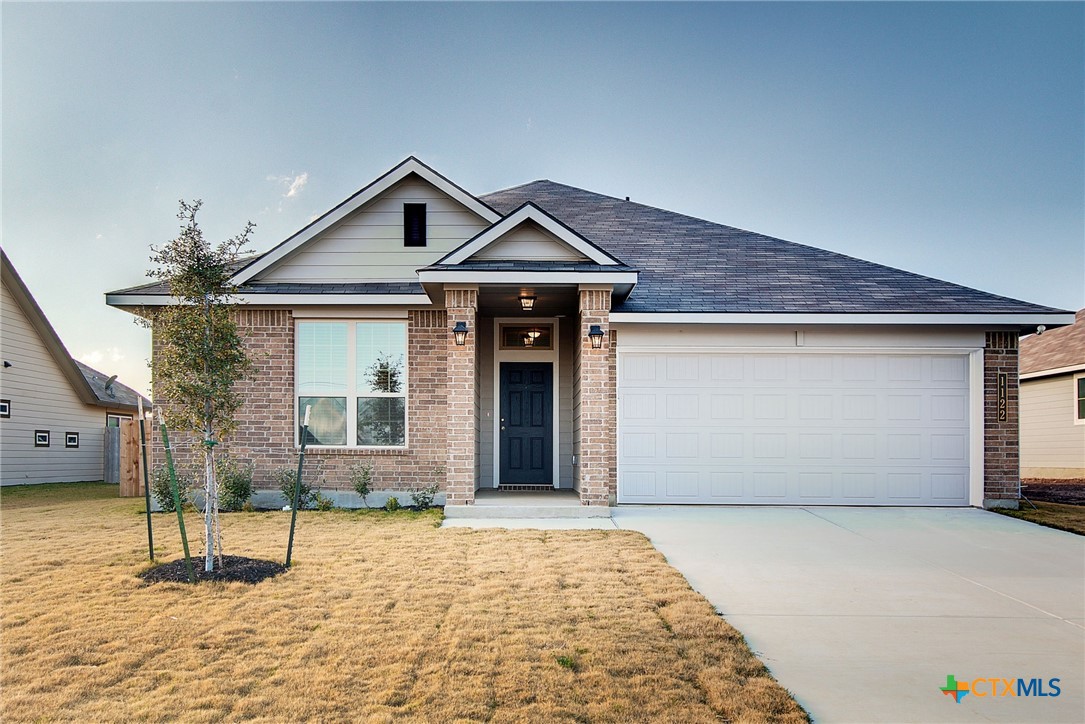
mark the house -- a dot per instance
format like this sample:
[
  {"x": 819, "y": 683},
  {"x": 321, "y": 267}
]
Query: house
[
  {"x": 54, "y": 409},
  {"x": 1053, "y": 403},
  {"x": 547, "y": 336}
]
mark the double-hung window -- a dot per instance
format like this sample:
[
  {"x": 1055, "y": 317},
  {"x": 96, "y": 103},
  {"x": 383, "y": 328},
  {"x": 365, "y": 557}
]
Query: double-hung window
[
  {"x": 353, "y": 377},
  {"x": 1079, "y": 400}
]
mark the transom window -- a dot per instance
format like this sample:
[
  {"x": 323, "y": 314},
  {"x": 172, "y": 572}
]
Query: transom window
[
  {"x": 536, "y": 336},
  {"x": 353, "y": 377}
]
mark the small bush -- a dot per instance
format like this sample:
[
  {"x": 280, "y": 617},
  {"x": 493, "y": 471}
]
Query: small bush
[
  {"x": 423, "y": 499},
  {"x": 163, "y": 494},
  {"x": 361, "y": 478},
  {"x": 323, "y": 502},
  {"x": 234, "y": 482},
  {"x": 286, "y": 479},
  {"x": 392, "y": 504}
]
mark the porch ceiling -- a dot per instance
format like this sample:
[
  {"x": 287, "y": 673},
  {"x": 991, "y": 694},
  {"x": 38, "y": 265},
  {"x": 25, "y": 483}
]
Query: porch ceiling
[{"x": 504, "y": 301}]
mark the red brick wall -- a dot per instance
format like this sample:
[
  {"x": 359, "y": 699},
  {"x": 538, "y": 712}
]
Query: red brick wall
[
  {"x": 463, "y": 402},
  {"x": 595, "y": 395},
  {"x": 1001, "y": 459},
  {"x": 265, "y": 433}
]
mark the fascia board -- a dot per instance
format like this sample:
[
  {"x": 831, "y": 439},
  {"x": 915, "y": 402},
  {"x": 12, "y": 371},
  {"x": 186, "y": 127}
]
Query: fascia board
[
  {"x": 986, "y": 320},
  {"x": 1053, "y": 372},
  {"x": 525, "y": 277},
  {"x": 276, "y": 300}
]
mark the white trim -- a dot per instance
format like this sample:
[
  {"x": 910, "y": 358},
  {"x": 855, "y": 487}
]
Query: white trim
[
  {"x": 1075, "y": 398},
  {"x": 529, "y": 212},
  {"x": 975, "y": 428},
  {"x": 1053, "y": 371},
  {"x": 525, "y": 355},
  {"x": 882, "y": 349},
  {"x": 352, "y": 389},
  {"x": 1009, "y": 320},
  {"x": 359, "y": 199},
  {"x": 346, "y": 313},
  {"x": 481, "y": 276},
  {"x": 275, "y": 300}
]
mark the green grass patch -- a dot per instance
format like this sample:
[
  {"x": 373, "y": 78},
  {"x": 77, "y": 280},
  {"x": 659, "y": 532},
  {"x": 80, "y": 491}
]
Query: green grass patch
[
  {"x": 21, "y": 496},
  {"x": 1070, "y": 518}
]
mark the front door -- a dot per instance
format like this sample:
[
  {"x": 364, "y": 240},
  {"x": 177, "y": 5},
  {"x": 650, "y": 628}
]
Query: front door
[{"x": 527, "y": 423}]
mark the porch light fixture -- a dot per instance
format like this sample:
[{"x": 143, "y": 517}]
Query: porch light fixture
[
  {"x": 595, "y": 334},
  {"x": 460, "y": 333},
  {"x": 527, "y": 303}
]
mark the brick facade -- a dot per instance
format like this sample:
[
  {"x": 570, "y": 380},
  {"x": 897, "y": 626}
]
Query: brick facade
[
  {"x": 1001, "y": 457},
  {"x": 265, "y": 433},
  {"x": 594, "y": 403},
  {"x": 463, "y": 403}
]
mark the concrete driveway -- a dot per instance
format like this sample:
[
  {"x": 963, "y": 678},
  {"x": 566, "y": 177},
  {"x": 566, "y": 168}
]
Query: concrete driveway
[{"x": 862, "y": 612}]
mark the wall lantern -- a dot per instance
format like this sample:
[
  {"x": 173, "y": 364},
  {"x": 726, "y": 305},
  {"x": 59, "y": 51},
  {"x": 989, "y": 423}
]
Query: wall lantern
[
  {"x": 460, "y": 333},
  {"x": 595, "y": 334},
  {"x": 527, "y": 303}
]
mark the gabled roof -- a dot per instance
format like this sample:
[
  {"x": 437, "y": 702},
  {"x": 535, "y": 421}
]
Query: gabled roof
[
  {"x": 408, "y": 166},
  {"x": 1055, "y": 351},
  {"x": 688, "y": 265},
  {"x": 525, "y": 213},
  {"x": 72, "y": 370}
]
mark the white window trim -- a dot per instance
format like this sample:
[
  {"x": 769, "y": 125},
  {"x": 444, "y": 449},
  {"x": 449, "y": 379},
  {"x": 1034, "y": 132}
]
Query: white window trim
[
  {"x": 352, "y": 386},
  {"x": 1074, "y": 397}
]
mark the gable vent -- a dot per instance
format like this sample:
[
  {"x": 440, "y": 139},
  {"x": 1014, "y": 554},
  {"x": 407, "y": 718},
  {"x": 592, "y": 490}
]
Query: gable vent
[{"x": 414, "y": 224}]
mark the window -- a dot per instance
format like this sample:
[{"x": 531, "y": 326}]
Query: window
[
  {"x": 71, "y": 439},
  {"x": 41, "y": 438},
  {"x": 538, "y": 336},
  {"x": 353, "y": 377},
  {"x": 1079, "y": 399},
  {"x": 414, "y": 224},
  {"x": 5, "y": 408},
  {"x": 115, "y": 420}
]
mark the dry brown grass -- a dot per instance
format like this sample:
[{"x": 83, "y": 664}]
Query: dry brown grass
[{"x": 383, "y": 617}]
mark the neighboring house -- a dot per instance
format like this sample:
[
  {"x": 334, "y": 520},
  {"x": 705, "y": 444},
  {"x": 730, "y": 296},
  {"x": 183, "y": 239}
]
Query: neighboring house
[
  {"x": 54, "y": 410},
  {"x": 544, "y": 335},
  {"x": 1053, "y": 403}
]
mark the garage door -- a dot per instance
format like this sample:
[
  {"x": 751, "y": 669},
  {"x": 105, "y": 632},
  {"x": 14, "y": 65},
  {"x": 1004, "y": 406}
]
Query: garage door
[{"x": 808, "y": 429}]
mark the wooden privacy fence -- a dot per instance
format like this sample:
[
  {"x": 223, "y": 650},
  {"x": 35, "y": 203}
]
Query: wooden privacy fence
[{"x": 122, "y": 458}]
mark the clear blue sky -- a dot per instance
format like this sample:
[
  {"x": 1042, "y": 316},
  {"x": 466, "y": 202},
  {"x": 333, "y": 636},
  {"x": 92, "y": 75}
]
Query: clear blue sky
[{"x": 946, "y": 139}]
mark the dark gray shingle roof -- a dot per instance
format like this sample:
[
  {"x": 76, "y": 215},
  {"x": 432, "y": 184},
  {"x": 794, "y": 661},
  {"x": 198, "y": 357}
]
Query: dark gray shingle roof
[
  {"x": 691, "y": 265},
  {"x": 116, "y": 395}
]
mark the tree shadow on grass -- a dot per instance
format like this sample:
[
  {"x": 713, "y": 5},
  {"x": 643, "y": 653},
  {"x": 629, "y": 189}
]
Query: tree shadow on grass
[{"x": 234, "y": 568}]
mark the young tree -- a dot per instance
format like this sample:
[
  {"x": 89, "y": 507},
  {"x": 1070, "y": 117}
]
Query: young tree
[{"x": 200, "y": 355}]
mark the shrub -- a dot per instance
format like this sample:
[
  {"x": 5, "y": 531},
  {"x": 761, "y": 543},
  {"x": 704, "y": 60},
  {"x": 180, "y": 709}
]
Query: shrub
[
  {"x": 392, "y": 504},
  {"x": 234, "y": 482},
  {"x": 361, "y": 477},
  {"x": 160, "y": 488},
  {"x": 323, "y": 502},
  {"x": 423, "y": 499},
  {"x": 286, "y": 478}
]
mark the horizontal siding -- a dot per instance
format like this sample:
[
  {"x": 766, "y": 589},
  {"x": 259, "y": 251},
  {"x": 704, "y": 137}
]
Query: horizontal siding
[
  {"x": 42, "y": 399},
  {"x": 368, "y": 245},
  {"x": 1049, "y": 437},
  {"x": 530, "y": 243}
]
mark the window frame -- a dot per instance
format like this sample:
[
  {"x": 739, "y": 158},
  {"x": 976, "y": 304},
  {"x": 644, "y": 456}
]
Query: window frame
[
  {"x": 353, "y": 393},
  {"x": 411, "y": 210},
  {"x": 1076, "y": 398}
]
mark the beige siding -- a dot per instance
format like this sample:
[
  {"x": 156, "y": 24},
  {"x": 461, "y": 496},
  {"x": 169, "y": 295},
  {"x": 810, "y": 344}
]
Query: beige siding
[
  {"x": 42, "y": 399},
  {"x": 1052, "y": 446},
  {"x": 531, "y": 243},
  {"x": 368, "y": 244}
]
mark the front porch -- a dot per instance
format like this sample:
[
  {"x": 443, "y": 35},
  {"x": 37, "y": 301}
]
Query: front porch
[{"x": 531, "y": 400}]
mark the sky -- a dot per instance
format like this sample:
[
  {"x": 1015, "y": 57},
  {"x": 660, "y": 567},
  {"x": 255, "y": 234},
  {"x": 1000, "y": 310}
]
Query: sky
[{"x": 946, "y": 139}]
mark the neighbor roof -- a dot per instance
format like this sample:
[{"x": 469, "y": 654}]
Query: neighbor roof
[
  {"x": 691, "y": 265},
  {"x": 111, "y": 393},
  {"x": 1056, "y": 349}
]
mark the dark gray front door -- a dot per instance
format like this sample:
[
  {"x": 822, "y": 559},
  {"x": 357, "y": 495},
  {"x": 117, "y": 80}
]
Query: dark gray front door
[{"x": 527, "y": 423}]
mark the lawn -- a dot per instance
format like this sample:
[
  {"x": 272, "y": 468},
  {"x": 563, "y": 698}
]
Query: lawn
[
  {"x": 383, "y": 617},
  {"x": 1054, "y": 515}
]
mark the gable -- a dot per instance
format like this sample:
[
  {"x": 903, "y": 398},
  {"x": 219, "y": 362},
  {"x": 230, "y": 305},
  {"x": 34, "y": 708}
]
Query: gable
[
  {"x": 529, "y": 242},
  {"x": 368, "y": 244}
]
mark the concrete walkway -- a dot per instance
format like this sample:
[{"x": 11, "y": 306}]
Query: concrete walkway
[{"x": 862, "y": 612}]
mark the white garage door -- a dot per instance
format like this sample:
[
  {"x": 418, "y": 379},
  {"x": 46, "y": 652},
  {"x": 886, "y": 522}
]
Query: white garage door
[{"x": 809, "y": 429}]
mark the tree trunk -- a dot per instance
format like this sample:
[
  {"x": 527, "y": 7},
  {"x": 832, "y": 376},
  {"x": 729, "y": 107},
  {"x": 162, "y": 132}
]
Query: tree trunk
[{"x": 210, "y": 496}]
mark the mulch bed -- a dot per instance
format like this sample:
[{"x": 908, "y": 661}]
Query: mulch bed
[
  {"x": 234, "y": 568},
  {"x": 1054, "y": 492}
]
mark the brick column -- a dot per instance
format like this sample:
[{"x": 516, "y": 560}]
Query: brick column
[
  {"x": 462, "y": 467},
  {"x": 594, "y": 402},
  {"x": 1001, "y": 448}
]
